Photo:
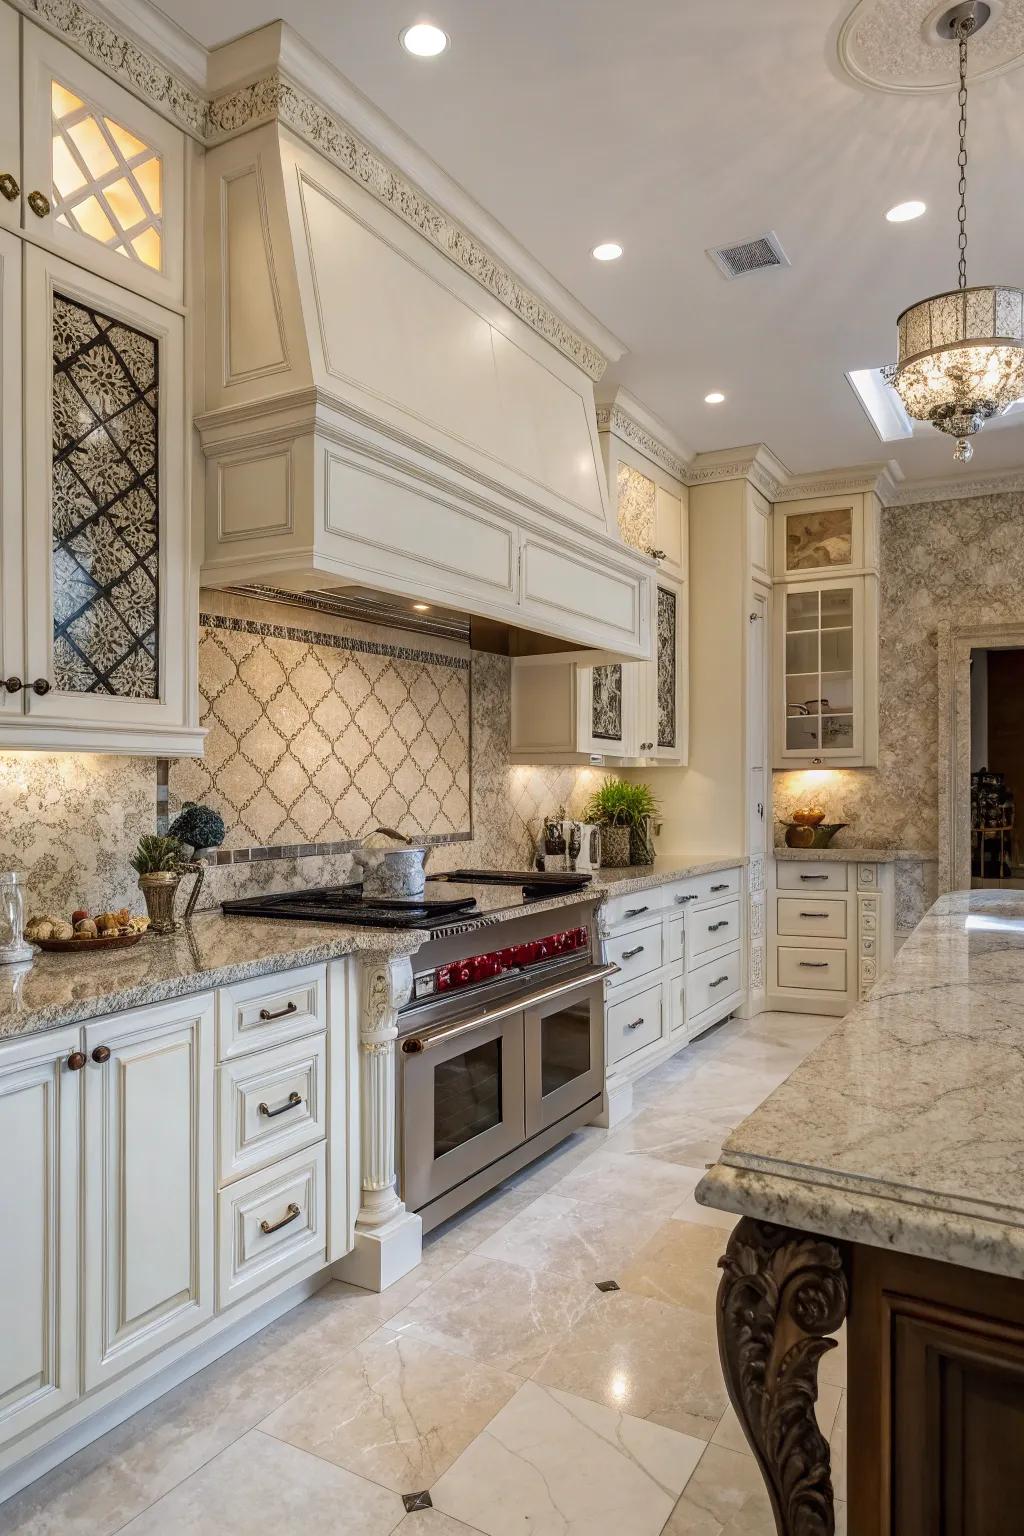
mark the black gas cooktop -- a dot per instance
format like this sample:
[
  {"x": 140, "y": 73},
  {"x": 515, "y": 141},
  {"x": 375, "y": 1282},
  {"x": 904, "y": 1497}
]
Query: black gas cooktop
[{"x": 347, "y": 904}]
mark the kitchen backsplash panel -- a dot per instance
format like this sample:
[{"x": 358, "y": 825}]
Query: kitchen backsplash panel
[{"x": 319, "y": 737}]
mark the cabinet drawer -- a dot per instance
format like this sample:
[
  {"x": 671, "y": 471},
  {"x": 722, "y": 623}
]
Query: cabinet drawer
[
  {"x": 271, "y": 1103},
  {"x": 270, "y": 1009},
  {"x": 817, "y": 970},
  {"x": 804, "y": 918},
  {"x": 675, "y": 949},
  {"x": 641, "y": 907},
  {"x": 810, "y": 875},
  {"x": 712, "y": 929},
  {"x": 634, "y": 1023},
  {"x": 269, "y": 1222},
  {"x": 712, "y": 982},
  {"x": 704, "y": 888},
  {"x": 635, "y": 953}
]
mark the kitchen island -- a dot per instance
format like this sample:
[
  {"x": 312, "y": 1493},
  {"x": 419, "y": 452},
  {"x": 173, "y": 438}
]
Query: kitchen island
[{"x": 883, "y": 1185}]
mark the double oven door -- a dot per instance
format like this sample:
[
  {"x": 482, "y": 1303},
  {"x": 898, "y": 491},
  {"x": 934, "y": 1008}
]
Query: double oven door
[{"x": 476, "y": 1089}]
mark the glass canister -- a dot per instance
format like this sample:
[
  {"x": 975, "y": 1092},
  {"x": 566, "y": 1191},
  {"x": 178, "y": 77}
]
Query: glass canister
[{"x": 12, "y": 920}]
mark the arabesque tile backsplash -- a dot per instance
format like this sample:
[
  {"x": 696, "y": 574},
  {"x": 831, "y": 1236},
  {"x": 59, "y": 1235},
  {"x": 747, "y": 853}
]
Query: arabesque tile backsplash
[{"x": 319, "y": 730}]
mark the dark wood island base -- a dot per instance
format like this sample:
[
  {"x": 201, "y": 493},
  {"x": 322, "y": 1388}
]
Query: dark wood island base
[{"x": 935, "y": 1380}]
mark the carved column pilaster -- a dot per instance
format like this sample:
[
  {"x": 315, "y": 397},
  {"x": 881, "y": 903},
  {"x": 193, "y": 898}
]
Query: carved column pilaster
[
  {"x": 782, "y": 1294},
  {"x": 388, "y": 1238}
]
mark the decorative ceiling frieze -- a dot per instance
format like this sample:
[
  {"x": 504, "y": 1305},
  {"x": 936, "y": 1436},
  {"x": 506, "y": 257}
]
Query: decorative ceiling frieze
[{"x": 612, "y": 418}]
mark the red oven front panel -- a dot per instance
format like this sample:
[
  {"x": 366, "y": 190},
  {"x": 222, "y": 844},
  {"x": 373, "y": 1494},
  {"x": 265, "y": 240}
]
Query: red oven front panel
[{"x": 498, "y": 962}]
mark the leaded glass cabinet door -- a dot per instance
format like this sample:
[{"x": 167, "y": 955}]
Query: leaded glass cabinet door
[
  {"x": 106, "y": 571},
  {"x": 666, "y": 736},
  {"x": 103, "y": 174}
]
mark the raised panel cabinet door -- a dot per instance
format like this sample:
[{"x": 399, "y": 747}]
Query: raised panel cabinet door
[
  {"x": 39, "y": 1210},
  {"x": 11, "y": 190},
  {"x": 104, "y": 174},
  {"x": 149, "y": 1182},
  {"x": 106, "y": 575},
  {"x": 12, "y": 654}
]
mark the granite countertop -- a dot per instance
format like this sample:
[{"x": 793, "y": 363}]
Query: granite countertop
[
  {"x": 666, "y": 868},
  {"x": 859, "y": 855},
  {"x": 903, "y": 1129}
]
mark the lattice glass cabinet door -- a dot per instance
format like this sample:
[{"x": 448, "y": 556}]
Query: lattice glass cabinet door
[
  {"x": 821, "y": 671},
  {"x": 103, "y": 173},
  {"x": 106, "y": 552}
]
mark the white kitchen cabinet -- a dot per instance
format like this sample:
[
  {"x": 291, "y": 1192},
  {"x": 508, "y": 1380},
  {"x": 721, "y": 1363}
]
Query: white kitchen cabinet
[
  {"x": 102, "y": 174},
  {"x": 10, "y": 119},
  {"x": 12, "y": 638},
  {"x": 149, "y": 1185},
  {"x": 97, "y": 586},
  {"x": 40, "y": 1083},
  {"x": 832, "y": 932},
  {"x": 826, "y": 632}
]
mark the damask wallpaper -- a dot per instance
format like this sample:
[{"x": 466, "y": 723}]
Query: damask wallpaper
[
  {"x": 941, "y": 562},
  {"x": 105, "y": 508}
]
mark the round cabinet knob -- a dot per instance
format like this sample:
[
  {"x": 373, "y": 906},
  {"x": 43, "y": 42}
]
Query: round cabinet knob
[
  {"x": 39, "y": 203},
  {"x": 13, "y": 684},
  {"x": 41, "y": 686},
  {"x": 101, "y": 1054},
  {"x": 76, "y": 1061},
  {"x": 9, "y": 187}
]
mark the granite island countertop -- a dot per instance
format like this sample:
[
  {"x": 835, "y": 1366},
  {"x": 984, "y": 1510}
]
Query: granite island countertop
[{"x": 904, "y": 1128}]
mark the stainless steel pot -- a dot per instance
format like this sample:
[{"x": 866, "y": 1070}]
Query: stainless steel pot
[{"x": 394, "y": 873}]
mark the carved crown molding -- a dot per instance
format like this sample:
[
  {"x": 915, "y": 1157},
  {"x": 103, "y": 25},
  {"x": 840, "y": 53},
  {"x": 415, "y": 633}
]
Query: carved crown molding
[
  {"x": 770, "y": 476},
  {"x": 757, "y": 464},
  {"x": 1010, "y": 482},
  {"x": 275, "y": 97},
  {"x": 613, "y": 418}
]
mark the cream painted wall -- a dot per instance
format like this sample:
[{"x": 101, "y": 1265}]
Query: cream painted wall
[{"x": 941, "y": 562}]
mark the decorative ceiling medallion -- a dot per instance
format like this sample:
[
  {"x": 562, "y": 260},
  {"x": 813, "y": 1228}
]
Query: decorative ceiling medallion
[{"x": 897, "y": 45}]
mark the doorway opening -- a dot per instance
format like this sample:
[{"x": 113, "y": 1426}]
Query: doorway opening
[{"x": 997, "y": 767}]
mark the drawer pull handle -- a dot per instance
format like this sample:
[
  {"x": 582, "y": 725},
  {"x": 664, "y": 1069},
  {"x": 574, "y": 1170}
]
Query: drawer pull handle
[
  {"x": 636, "y": 911},
  {"x": 813, "y": 965},
  {"x": 631, "y": 954},
  {"x": 718, "y": 983},
  {"x": 293, "y": 1102},
  {"x": 282, "y": 1013},
  {"x": 814, "y": 877},
  {"x": 723, "y": 887},
  {"x": 275, "y": 1226},
  {"x": 714, "y": 927},
  {"x": 682, "y": 900},
  {"x": 635, "y": 1024}
]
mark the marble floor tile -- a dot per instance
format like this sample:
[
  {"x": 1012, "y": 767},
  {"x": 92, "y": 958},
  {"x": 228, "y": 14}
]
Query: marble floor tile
[
  {"x": 263, "y": 1484},
  {"x": 704, "y": 1215},
  {"x": 551, "y": 1464},
  {"x": 431, "y": 1522},
  {"x": 726, "y": 1496},
  {"x": 679, "y": 1264},
  {"x": 504, "y": 1316},
  {"x": 663, "y": 1131},
  {"x": 394, "y": 1409},
  {"x": 646, "y": 1358},
  {"x": 581, "y": 1242},
  {"x": 730, "y": 1437},
  {"x": 613, "y": 1178}
]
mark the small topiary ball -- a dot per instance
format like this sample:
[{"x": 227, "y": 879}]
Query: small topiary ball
[{"x": 199, "y": 826}]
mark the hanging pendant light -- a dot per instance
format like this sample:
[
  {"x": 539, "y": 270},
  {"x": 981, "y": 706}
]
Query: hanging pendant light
[{"x": 961, "y": 354}]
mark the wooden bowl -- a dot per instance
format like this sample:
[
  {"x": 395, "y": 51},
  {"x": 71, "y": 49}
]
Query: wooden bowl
[{"x": 72, "y": 946}]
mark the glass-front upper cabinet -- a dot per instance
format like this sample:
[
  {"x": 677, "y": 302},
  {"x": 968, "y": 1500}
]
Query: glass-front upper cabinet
[
  {"x": 824, "y": 645},
  {"x": 103, "y": 174},
  {"x": 106, "y": 606}
]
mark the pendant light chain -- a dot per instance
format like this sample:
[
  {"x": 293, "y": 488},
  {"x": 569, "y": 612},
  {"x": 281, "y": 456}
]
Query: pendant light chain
[{"x": 964, "y": 29}]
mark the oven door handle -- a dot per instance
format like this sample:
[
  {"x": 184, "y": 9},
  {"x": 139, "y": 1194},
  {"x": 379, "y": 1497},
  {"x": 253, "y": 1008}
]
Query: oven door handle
[{"x": 430, "y": 1039}]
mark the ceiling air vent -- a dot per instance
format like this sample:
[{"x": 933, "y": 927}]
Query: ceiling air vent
[{"x": 749, "y": 256}]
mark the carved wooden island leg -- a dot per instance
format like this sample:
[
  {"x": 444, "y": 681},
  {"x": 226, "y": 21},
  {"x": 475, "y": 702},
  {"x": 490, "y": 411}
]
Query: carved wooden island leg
[{"x": 782, "y": 1293}]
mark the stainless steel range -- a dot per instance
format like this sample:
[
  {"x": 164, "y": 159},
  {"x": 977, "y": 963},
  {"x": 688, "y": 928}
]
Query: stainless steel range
[{"x": 501, "y": 1045}]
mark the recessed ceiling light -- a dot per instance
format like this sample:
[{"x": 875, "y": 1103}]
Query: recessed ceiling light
[
  {"x": 424, "y": 40},
  {"x": 715, "y": 398},
  {"x": 609, "y": 251},
  {"x": 903, "y": 212},
  {"x": 421, "y": 607}
]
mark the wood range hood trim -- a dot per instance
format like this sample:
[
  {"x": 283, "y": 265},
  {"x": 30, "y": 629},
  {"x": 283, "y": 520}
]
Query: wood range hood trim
[{"x": 376, "y": 416}]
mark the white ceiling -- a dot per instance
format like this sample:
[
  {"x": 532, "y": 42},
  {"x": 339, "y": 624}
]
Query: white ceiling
[{"x": 671, "y": 126}]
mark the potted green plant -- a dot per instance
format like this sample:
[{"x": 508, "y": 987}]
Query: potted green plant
[
  {"x": 160, "y": 863},
  {"x": 624, "y": 812}
]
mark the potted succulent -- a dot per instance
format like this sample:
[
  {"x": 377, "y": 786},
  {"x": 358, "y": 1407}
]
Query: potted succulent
[
  {"x": 624, "y": 812},
  {"x": 160, "y": 863}
]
